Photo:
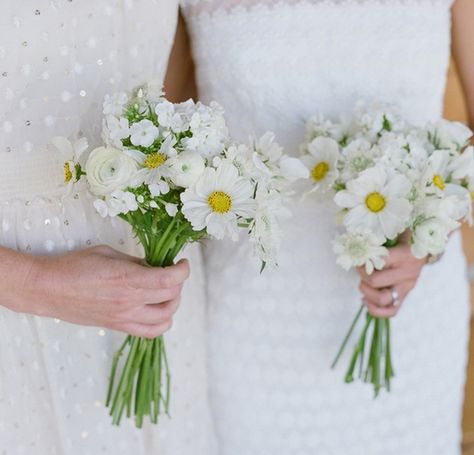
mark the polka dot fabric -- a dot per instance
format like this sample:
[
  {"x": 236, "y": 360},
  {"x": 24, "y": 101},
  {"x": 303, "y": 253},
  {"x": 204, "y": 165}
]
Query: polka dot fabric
[{"x": 58, "y": 58}]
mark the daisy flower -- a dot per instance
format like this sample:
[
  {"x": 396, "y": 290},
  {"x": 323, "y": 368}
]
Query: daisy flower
[
  {"x": 154, "y": 166},
  {"x": 376, "y": 201},
  {"x": 218, "y": 200},
  {"x": 71, "y": 153},
  {"x": 321, "y": 160}
]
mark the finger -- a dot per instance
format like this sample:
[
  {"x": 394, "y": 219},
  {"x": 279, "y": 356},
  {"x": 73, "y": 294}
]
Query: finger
[
  {"x": 380, "y": 312},
  {"x": 153, "y": 314},
  {"x": 139, "y": 297},
  {"x": 385, "y": 278},
  {"x": 105, "y": 250},
  {"x": 380, "y": 297},
  {"x": 398, "y": 255},
  {"x": 145, "y": 330},
  {"x": 160, "y": 277}
]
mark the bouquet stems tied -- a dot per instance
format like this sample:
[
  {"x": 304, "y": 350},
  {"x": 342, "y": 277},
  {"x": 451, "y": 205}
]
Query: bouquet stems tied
[
  {"x": 371, "y": 359},
  {"x": 141, "y": 387}
]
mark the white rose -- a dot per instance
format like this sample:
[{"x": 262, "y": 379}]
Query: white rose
[
  {"x": 109, "y": 169},
  {"x": 430, "y": 237},
  {"x": 187, "y": 168},
  {"x": 449, "y": 135}
]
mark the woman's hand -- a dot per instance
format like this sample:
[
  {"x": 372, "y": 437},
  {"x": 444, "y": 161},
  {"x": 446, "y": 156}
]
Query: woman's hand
[
  {"x": 398, "y": 278},
  {"x": 97, "y": 286}
]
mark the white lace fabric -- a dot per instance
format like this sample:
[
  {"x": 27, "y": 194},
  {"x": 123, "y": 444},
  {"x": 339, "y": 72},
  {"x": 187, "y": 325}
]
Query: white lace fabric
[{"x": 272, "y": 64}]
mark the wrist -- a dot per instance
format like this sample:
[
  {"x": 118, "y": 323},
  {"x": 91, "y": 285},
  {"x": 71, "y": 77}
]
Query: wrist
[{"x": 17, "y": 270}]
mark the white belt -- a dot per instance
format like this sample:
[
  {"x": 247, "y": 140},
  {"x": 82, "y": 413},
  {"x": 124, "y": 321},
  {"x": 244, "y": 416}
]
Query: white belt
[{"x": 27, "y": 176}]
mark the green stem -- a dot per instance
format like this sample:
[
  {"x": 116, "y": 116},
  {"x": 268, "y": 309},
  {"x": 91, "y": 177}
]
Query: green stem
[
  {"x": 358, "y": 350},
  {"x": 113, "y": 371},
  {"x": 347, "y": 337},
  {"x": 145, "y": 381}
]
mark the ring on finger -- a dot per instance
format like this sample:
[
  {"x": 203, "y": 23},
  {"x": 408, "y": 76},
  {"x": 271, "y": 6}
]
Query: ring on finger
[{"x": 395, "y": 297}]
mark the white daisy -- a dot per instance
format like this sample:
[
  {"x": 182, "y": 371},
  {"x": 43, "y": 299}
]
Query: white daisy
[
  {"x": 321, "y": 160},
  {"x": 71, "y": 154},
  {"x": 434, "y": 179},
  {"x": 218, "y": 200},
  {"x": 154, "y": 166},
  {"x": 360, "y": 248},
  {"x": 377, "y": 201}
]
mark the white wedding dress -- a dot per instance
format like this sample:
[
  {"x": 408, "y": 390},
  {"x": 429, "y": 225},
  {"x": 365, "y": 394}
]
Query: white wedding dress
[
  {"x": 272, "y": 64},
  {"x": 58, "y": 58}
]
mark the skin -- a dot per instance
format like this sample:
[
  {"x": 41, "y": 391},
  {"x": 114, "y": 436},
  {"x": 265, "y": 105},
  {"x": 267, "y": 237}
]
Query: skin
[
  {"x": 96, "y": 287},
  {"x": 403, "y": 270}
]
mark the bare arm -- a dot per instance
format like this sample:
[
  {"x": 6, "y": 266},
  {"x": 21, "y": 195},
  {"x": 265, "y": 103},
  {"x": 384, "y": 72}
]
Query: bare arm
[
  {"x": 179, "y": 83},
  {"x": 463, "y": 50}
]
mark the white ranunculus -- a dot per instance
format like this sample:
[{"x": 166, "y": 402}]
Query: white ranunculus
[
  {"x": 449, "y": 135},
  {"x": 143, "y": 133},
  {"x": 429, "y": 237},
  {"x": 109, "y": 169},
  {"x": 187, "y": 168}
]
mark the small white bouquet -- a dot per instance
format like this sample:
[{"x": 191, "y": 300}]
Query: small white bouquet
[
  {"x": 389, "y": 179},
  {"x": 171, "y": 172}
]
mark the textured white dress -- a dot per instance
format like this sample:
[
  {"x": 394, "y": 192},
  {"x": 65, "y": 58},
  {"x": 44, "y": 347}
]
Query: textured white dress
[
  {"x": 58, "y": 58},
  {"x": 272, "y": 64}
]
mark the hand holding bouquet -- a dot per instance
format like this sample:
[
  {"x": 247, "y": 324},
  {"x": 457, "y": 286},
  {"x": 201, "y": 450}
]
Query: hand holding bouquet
[
  {"x": 171, "y": 171},
  {"x": 389, "y": 179}
]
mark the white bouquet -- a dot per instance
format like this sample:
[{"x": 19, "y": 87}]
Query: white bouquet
[
  {"x": 389, "y": 179},
  {"x": 171, "y": 171}
]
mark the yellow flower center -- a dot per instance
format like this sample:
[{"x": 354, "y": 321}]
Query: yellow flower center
[
  {"x": 154, "y": 160},
  {"x": 220, "y": 202},
  {"x": 319, "y": 171},
  {"x": 439, "y": 182},
  {"x": 472, "y": 195},
  {"x": 67, "y": 173},
  {"x": 375, "y": 202}
]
